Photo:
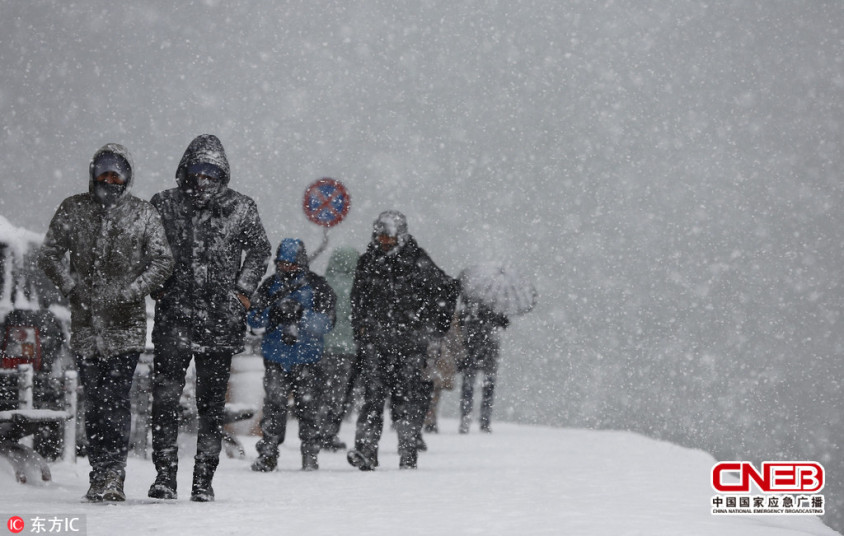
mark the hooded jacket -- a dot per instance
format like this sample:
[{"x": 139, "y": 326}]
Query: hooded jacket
[
  {"x": 340, "y": 275},
  {"x": 220, "y": 249},
  {"x": 317, "y": 301},
  {"x": 117, "y": 255}
]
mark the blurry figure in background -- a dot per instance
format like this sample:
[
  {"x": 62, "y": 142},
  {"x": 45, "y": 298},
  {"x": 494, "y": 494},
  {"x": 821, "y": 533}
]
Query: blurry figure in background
[
  {"x": 338, "y": 365},
  {"x": 443, "y": 356},
  {"x": 117, "y": 254},
  {"x": 400, "y": 300},
  {"x": 221, "y": 252},
  {"x": 296, "y": 307},
  {"x": 479, "y": 326}
]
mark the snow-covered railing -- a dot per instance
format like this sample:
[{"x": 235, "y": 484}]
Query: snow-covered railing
[
  {"x": 26, "y": 377},
  {"x": 15, "y": 244}
]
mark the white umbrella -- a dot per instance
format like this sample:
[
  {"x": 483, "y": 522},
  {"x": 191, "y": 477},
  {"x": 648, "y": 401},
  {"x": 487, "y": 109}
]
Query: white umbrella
[{"x": 499, "y": 287}]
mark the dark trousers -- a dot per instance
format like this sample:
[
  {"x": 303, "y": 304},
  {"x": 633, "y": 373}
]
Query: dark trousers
[
  {"x": 392, "y": 372},
  {"x": 212, "y": 379},
  {"x": 279, "y": 384},
  {"x": 108, "y": 412},
  {"x": 336, "y": 378},
  {"x": 467, "y": 393}
]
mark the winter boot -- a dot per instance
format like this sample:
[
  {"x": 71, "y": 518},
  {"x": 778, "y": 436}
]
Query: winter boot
[
  {"x": 310, "y": 451},
  {"x": 358, "y": 459},
  {"x": 267, "y": 448},
  {"x": 333, "y": 444},
  {"x": 166, "y": 466},
  {"x": 309, "y": 461},
  {"x": 486, "y": 419},
  {"x": 265, "y": 463},
  {"x": 95, "y": 491},
  {"x": 429, "y": 425},
  {"x": 407, "y": 459},
  {"x": 465, "y": 421},
  {"x": 113, "y": 488},
  {"x": 164, "y": 486},
  {"x": 201, "y": 490},
  {"x": 421, "y": 446}
]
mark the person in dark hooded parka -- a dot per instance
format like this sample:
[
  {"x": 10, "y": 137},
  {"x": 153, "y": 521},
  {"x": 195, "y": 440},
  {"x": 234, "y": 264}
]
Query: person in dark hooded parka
[
  {"x": 221, "y": 252},
  {"x": 295, "y": 307},
  {"x": 106, "y": 250},
  {"x": 400, "y": 301}
]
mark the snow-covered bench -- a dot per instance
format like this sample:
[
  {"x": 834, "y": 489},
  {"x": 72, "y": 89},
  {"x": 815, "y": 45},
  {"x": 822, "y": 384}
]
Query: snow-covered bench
[{"x": 15, "y": 424}]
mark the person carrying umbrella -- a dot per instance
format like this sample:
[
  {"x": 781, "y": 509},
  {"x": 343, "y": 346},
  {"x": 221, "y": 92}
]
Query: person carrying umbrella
[
  {"x": 490, "y": 295},
  {"x": 479, "y": 325}
]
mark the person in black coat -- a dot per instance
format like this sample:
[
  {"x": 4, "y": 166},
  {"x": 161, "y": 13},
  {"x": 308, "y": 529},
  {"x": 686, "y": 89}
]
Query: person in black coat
[
  {"x": 221, "y": 252},
  {"x": 106, "y": 250},
  {"x": 400, "y": 300},
  {"x": 479, "y": 325}
]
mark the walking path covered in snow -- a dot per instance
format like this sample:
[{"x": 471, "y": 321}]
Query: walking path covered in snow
[{"x": 520, "y": 480}]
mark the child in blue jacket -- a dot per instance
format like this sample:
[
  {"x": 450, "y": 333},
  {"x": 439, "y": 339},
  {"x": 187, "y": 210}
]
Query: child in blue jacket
[{"x": 295, "y": 307}]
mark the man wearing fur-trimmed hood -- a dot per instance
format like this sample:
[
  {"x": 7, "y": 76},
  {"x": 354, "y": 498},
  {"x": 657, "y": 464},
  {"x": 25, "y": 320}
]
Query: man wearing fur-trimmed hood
[
  {"x": 106, "y": 250},
  {"x": 221, "y": 252}
]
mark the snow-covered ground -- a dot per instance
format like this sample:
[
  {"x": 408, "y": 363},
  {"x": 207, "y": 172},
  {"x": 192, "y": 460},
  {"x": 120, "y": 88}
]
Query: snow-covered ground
[{"x": 520, "y": 480}]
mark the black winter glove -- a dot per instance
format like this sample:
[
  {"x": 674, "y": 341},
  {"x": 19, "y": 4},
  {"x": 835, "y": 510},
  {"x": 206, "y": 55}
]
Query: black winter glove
[
  {"x": 290, "y": 334},
  {"x": 285, "y": 312}
]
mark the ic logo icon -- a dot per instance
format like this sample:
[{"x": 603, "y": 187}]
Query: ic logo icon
[{"x": 15, "y": 524}]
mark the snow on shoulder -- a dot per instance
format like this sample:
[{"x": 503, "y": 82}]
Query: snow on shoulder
[{"x": 520, "y": 480}]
